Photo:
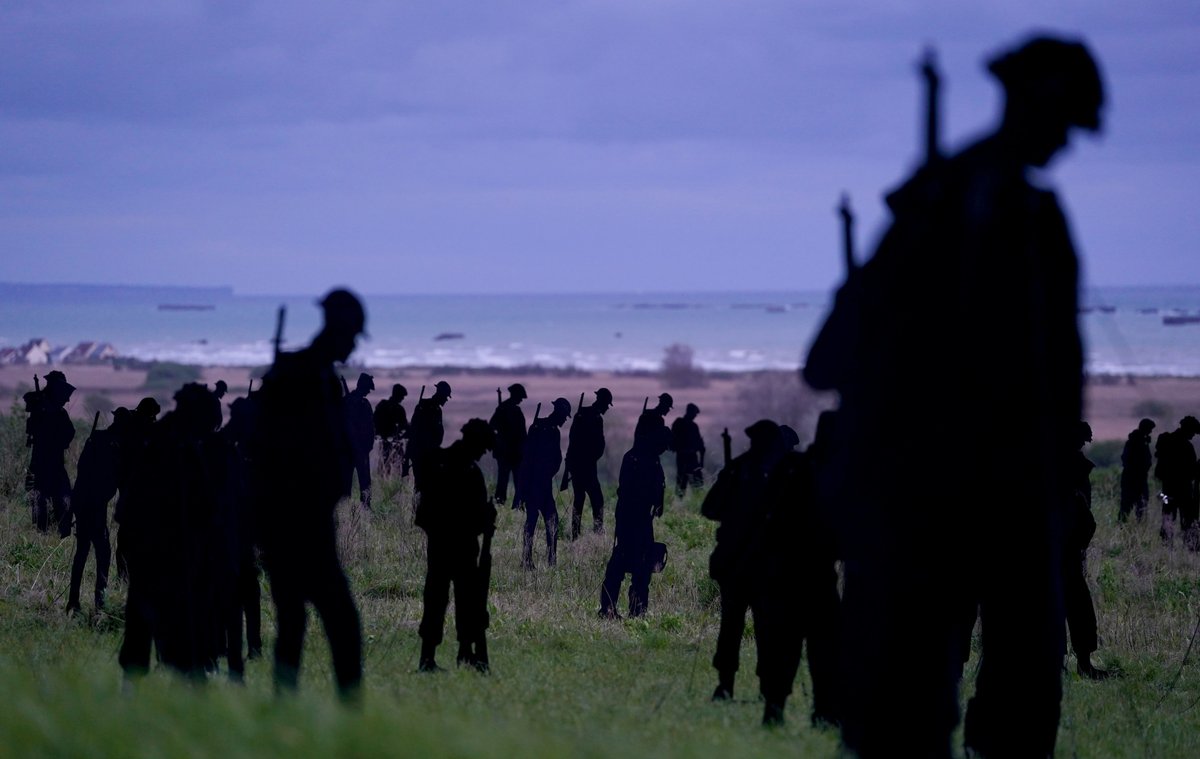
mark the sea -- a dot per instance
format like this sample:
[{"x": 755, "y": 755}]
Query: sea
[{"x": 1124, "y": 327}]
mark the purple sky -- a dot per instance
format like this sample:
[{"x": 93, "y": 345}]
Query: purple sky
[{"x": 451, "y": 146}]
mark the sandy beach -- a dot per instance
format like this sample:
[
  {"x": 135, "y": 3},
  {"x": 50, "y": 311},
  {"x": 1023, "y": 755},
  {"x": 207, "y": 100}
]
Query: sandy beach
[{"x": 1113, "y": 406}]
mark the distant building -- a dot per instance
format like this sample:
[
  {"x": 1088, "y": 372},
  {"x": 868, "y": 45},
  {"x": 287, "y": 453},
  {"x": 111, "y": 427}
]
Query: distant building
[{"x": 36, "y": 352}]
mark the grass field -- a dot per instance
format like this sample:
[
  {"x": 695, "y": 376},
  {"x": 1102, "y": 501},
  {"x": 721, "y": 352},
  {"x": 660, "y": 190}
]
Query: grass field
[{"x": 563, "y": 683}]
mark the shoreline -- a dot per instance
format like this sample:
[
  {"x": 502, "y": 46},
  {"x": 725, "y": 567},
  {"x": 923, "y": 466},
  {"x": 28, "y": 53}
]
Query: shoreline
[{"x": 727, "y": 399}]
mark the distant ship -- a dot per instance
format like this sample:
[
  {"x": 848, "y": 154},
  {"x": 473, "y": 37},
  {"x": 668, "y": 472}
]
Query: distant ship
[
  {"x": 1178, "y": 320},
  {"x": 186, "y": 307}
]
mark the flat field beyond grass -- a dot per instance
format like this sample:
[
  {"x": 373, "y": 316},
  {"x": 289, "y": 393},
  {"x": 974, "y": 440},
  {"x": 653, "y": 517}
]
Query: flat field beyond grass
[{"x": 563, "y": 683}]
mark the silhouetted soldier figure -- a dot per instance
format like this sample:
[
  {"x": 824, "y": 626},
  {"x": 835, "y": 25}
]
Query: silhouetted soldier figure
[
  {"x": 797, "y": 582},
  {"x": 689, "y": 450},
  {"x": 539, "y": 463},
  {"x": 640, "y": 490},
  {"x": 391, "y": 425},
  {"x": 170, "y": 526},
  {"x": 585, "y": 446},
  {"x": 244, "y": 601},
  {"x": 133, "y": 434},
  {"x": 220, "y": 388},
  {"x": 95, "y": 485},
  {"x": 360, "y": 420},
  {"x": 655, "y": 417},
  {"x": 976, "y": 271},
  {"x": 738, "y": 501},
  {"x": 454, "y": 511},
  {"x": 1136, "y": 460},
  {"x": 508, "y": 422},
  {"x": 426, "y": 432},
  {"x": 1176, "y": 471},
  {"x": 302, "y": 449},
  {"x": 1077, "y": 599},
  {"x": 50, "y": 432}
]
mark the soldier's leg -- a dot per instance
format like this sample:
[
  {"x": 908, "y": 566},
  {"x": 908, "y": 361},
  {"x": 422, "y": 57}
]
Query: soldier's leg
[
  {"x": 579, "y": 491},
  {"x": 681, "y": 476},
  {"x": 596, "y": 495},
  {"x": 1188, "y": 522},
  {"x": 779, "y": 636},
  {"x": 134, "y": 656},
  {"x": 1080, "y": 612},
  {"x": 363, "y": 466},
  {"x": 435, "y": 597},
  {"x": 822, "y": 630},
  {"x": 41, "y": 511},
  {"x": 550, "y": 515},
  {"x": 231, "y": 610},
  {"x": 531, "y": 519},
  {"x": 610, "y": 590},
  {"x": 1128, "y": 499},
  {"x": 121, "y": 555},
  {"x": 290, "y": 619},
  {"x": 330, "y": 594},
  {"x": 502, "y": 474},
  {"x": 250, "y": 597},
  {"x": 639, "y": 584},
  {"x": 83, "y": 544},
  {"x": 466, "y": 601},
  {"x": 103, "y": 563},
  {"x": 734, "y": 603}
]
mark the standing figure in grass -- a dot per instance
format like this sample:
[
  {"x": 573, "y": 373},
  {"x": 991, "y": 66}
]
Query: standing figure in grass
[
  {"x": 1176, "y": 470},
  {"x": 95, "y": 485},
  {"x": 585, "y": 446},
  {"x": 454, "y": 511},
  {"x": 689, "y": 450},
  {"x": 539, "y": 463},
  {"x": 1135, "y": 471},
  {"x": 1077, "y": 599},
  {"x": 391, "y": 425},
  {"x": 49, "y": 432},
  {"x": 300, "y": 455},
  {"x": 426, "y": 432},
  {"x": 133, "y": 434},
  {"x": 508, "y": 422},
  {"x": 976, "y": 270},
  {"x": 639, "y": 501},
  {"x": 738, "y": 501},
  {"x": 360, "y": 420}
]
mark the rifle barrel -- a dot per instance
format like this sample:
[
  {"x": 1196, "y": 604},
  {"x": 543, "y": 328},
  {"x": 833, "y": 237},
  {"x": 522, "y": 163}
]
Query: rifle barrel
[{"x": 933, "y": 82}]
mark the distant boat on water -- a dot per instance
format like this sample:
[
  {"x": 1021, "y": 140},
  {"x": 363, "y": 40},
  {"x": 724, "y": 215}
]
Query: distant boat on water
[
  {"x": 1178, "y": 320},
  {"x": 186, "y": 307}
]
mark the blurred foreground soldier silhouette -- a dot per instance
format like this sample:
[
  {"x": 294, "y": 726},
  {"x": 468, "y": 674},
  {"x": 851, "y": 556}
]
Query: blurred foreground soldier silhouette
[
  {"x": 977, "y": 270},
  {"x": 426, "y": 432},
  {"x": 689, "y": 450},
  {"x": 539, "y": 463},
  {"x": 95, "y": 485},
  {"x": 508, "y": 422},
  {"x": 1135, "y": 471},
  {"x": 133, "y": 433},
  {"x": 49, "y": 431},
  {"x": 738, "y": 501},
  {"x": 1176, "y": 470},
  {"x": 360, "y": 420},
  {"x": 639, "y": 500},
  {"x": 454, "y": 511},
  {"x": 391, "y": 425},
  {"x": 585, "y": 446},
  {"x": 1077, "y": 599},
  {"x": 301, "y": 453}
]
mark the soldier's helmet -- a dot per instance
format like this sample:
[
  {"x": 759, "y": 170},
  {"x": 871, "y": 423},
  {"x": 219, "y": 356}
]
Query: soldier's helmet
[
  {"x": 148, "y": 408},
  {"x": 693, "y": 409},
  {"x": 562, "y": 406},
  {"x": 790, "y": 438},
  {"x": 1084, "y": 433},
  {"x": 366, "y": 382},
  {"x": 517, "y": 390},
  {"x": 442, "y": 388},
  {"x": 1190, "y": 425},
  {"x": 1146, "y": 426},
  {"x": 666, "y": 400},
  {"x": 1060, "y": 74},
  {"x": 221, "y": 388},
  {"x": 57, "y": 387},
  {"x": 399, "y": 391},
  {"x": 479, "y": 432},
  {"x": 121, "y": 417},
  {"x": 763, "y": 434},
  {"x": 197, "y": 407},
  {"x": 604, "y": 396},
  {"x": 344, "y": 312}
]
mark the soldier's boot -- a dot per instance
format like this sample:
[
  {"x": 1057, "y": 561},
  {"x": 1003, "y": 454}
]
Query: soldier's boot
[
  {"x": 1089, "y": 670},
  {"x": 481, "y": 655},
  {"x": 73, "y": 603},
  {"x": 466, "y": 657},
  {"x": 598, "y": 521},
  {"x": 427, "y": 662},
  {"x": 724, "y": 689},
  {"x": 527, "y": 553},
  {"x": 365, "y": 499},
  {"x": 575, "y": 526},
  {"x": 773, "y": 713}
]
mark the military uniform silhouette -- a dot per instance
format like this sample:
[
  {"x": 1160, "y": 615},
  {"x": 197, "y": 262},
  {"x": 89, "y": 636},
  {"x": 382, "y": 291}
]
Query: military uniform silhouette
[
  {"x": 391, "y": 425},
  {"x": 360, "y": 421},
  {"x": 49, "y": 432},
  {"x": 639, "y": 500},
  {"x": 689, "y": 450},
  {"x": 426, "y": 432},
  {"x": 243, "y": 605},
  {"x": 977, "y": 270},
  {"x": 1176, "y": 471},
  {"x": 454, "y": 511},
  {"x": 508, "y": 422},
  {"x": 133, "y": 434},
  {"x": 585, "y": 446},
  {"x": 655, "y": 417},
  {"x": 1077, "y": 599},
  {"x": 95, "y": 485},
  {"x": 539, "y": 463},
  {"x": 1136, "y": 461},
  {"x": 738, "y": 501},
  {"x": 302, "y": 447}
]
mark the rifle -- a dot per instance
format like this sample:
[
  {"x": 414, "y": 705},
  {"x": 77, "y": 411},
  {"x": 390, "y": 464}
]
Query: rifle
[
  {"x": 280, "y": 316},
  {"x": 499, "y": 398},
  {"x": 726, "y": 446},
  {"x": 577, "y": 408},
  {"x": 250, "y": 387},
  {"x": 847, "y": 234},
  {"x": 406, "y": 462},
  {"x": 37, "y": 385},
  {"x": 645, "y": 402},
  {"x": 95, "y": 421},
  {"x": 933, "y": 82}
]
